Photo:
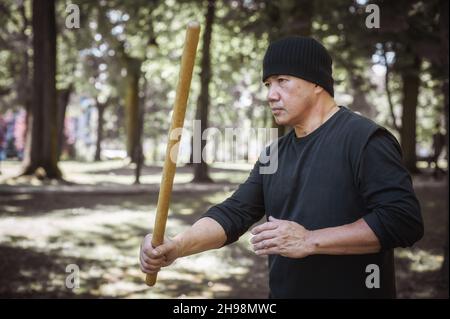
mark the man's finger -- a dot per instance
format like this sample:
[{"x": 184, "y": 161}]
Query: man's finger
[
  {"x": 263, "y": 227},
  {"x": 148, "y": 269},
  {"x": 158, "y": 252},
  {"x": 154, "y": 262},
  {"x": 267, "y": 251},
  {"x": 144, "y": 264},
  {"x": 143, "y": 269},
  {"x": 154, "y": 268},
  {"x": 268, "y": 243},
  {"x": 148, "y": 257},
  {"x": 267, "y": 234}
]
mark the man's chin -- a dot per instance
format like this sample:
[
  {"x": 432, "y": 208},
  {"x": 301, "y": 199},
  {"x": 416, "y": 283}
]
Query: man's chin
[{"x": 280, "y": 121}]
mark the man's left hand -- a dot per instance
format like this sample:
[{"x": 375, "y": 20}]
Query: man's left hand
[{"x": 281, "y": 237}]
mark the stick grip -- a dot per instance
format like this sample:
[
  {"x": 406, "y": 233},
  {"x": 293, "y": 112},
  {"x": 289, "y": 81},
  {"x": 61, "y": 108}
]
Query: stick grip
[{"x": 170, "y": 162}]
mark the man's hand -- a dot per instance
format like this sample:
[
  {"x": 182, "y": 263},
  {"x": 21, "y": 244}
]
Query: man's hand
[
  {"x": 282, "y": 237},
  {"x": 152, "y": 259}
]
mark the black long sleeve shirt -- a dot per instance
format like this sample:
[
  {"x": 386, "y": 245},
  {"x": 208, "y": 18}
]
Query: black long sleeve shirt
[{"x": 349, "y": 168}]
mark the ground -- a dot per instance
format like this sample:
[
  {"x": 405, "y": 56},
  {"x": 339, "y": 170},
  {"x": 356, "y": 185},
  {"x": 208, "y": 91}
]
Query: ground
[{"x": 96, "y": 222}]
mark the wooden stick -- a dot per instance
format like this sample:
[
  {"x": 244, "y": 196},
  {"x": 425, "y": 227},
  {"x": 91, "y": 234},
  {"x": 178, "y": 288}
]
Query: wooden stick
[{"x": 179, "y": 111}]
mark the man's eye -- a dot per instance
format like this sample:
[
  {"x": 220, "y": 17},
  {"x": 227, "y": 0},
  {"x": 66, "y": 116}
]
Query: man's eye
[
  {"x": 281, "y": 80},
  {"x": 267, "y": 84}
]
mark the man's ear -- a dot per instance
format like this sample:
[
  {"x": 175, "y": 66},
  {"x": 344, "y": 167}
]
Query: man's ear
[{"x": 318, "y": 89}]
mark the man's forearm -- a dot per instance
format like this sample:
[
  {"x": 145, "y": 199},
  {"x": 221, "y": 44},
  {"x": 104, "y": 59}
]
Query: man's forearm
[
  {"x": 354, "y": 238},
  {"x": 205, "y": 234}
]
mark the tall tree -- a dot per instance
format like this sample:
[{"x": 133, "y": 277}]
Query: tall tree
[
  {"x": 42, "y": 150},
  {"x": 444, "y": 59},
  {"x": 201, "y": 169},
  {"x": 63, "y": 96},
  {"x": 101, "y": 106},
  {"x": 408, "y": 26},
  {"x": 111, "y": 17},
  {"x": 411, "y": 84},
  {"x": 133, "y": 67}
]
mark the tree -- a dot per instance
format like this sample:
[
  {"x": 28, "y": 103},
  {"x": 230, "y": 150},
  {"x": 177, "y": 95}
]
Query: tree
[
  {"x": 443, "y": 62},
  {"x": 42, "y": 149},
  {"x": 409, "y": 27},
  {"x": 111, "y": 16},
  {"x": 15, "y": 47},
  {"x": 101, "y": 106},
  {"x": 201, "y": 169},
  {"x": 63, "y": 96},
  {"x": 335, "y": 24},
  {"x": 411, "y": 84}
]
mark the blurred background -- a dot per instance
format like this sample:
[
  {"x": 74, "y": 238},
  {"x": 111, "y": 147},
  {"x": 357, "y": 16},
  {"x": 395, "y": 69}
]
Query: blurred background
[{"x": 86, "y": 93}]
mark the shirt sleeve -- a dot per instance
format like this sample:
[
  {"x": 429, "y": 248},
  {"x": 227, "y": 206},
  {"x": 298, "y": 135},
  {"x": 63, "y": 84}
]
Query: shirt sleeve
[
  {"x": 394, "y": 212},
  {"x": 244, "y": 208}
]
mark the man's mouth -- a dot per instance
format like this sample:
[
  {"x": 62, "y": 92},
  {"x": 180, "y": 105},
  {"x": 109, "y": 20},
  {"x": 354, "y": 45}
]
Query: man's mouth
[{"x": 277, "y": 110}]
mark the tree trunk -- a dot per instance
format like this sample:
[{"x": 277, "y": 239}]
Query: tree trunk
[
  {"x": 444, "y": 268},
  {"x": 132, "y": 105},
  {"x": 443, "y": 23},
  {"x": 201, "y": 169},
  {"x": 63, "y": 100},
  {"x": 411, "y": 84},
  {"x": 360, "y": 103},
  {"x": 139, "y": 136},
  {"x": 42, "y": 134},
  {"x": 139, "y": 152},
  {"x": 191, "y": 156},
  {"x": 100, "y": 121}
]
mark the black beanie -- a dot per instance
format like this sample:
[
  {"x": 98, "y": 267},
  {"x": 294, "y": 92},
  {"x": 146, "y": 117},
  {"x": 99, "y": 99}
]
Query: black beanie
[{"x": 301, "y": 57}]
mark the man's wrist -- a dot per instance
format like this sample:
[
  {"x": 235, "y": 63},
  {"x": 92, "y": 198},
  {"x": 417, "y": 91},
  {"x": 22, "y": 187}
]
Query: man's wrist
[
  {"x": 178, "y": 241},
  {"x": 312, "y": 242}
]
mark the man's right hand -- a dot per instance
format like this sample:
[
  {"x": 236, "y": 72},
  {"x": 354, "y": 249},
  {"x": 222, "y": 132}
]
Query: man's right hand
[{"x": 153, "y": 258}]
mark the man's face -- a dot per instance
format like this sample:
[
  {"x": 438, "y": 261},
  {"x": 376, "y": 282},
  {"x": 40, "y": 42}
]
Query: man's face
[{"x": 290, "y": 98}]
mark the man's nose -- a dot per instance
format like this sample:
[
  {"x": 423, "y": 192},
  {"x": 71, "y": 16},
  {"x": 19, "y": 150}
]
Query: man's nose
[{"x": 272, "y": 95}]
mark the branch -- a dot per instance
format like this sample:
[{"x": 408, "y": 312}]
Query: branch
[
  {"x": 26, "y": 22},
  {"x": 388, "y": 90}
]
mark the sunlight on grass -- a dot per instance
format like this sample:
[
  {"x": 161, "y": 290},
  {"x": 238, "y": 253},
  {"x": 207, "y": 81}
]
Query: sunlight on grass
[
  {"x": 185, "y": 211},
  {"x": 12, "y": 209},
  {"x": 104, "y": 241},
  {"x": 21, "y": 197},
  {"x": 86, "y": 167},
  {"x": 121, "y": 172},
  {"x": 92, "y": 179},
  {"x": 233, "y": 178},
  {"x": 9, "y": 169},
  {"x": 420, "y": 260}
]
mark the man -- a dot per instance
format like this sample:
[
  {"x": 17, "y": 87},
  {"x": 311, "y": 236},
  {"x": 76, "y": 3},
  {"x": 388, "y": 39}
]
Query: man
[{"x": 337, "y": 205}]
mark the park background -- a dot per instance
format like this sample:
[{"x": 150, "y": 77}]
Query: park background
[{"x": 86, "y": 93}]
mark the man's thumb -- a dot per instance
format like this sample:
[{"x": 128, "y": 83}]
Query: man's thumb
[
  {"x": 162, "y": 249},
  {"x": 272, "y": 219}
]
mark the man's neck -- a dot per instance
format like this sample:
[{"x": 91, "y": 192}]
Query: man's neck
[{"x": 319, "y": 114}]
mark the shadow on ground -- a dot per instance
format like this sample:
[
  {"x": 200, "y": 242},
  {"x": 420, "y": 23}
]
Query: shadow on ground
[{"x": 41, "y": 235}]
